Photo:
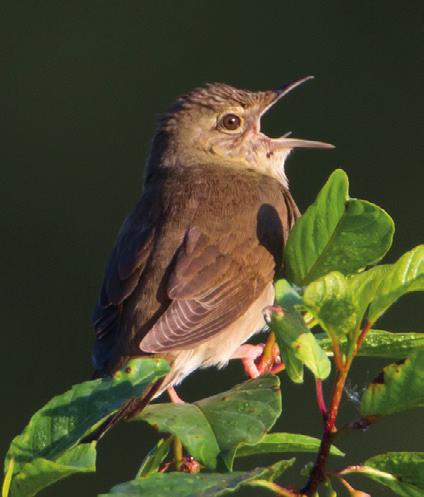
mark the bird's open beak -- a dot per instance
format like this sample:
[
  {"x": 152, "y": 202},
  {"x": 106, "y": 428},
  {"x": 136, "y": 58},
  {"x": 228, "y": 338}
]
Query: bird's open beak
[
  {"x": 284, "y": 142},
  {"x": 272, "y": 97}
]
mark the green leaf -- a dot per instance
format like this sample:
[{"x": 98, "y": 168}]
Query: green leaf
[
  {"x": 8, "y": 473},
  {"x": 330, "y": 301},
  {"x": 284, "y": 442},
  {"x": 198, "y": 485},
  {"x": 336, "y": 233},
  {"x": 297, "y": 344},
  {"x": 379, "y": 343},
  {"x": 397, "y": 388},
  {"x": 286, "y": 295},
  {"x": 155, "y": 457},
  {"x": 68, "y": 417},
  {"x": 189, "y": 424},
  {"x": 244, "y": 413},
  {"x": 218, "y": 424},
  {"x": 58, "y": 426},
  {"x": 290, "y": 329},
  {"x": 40, "y": 473},
  {"x": 364, "y": 287},
  {"x": 293, "y": 366},
  {"x": 402, "y": 472},
  {"x": 406, "y": 275}
]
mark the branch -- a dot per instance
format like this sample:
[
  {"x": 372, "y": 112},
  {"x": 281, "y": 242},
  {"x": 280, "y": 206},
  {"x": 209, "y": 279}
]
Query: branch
[{"x": 318, "y": 472}]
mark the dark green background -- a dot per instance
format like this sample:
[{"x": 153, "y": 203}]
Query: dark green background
[{"x": 82, "y": 83}]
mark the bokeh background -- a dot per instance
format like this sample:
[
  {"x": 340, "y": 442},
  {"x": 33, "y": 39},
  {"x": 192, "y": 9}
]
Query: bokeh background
[{"x": 82, "y": 84}]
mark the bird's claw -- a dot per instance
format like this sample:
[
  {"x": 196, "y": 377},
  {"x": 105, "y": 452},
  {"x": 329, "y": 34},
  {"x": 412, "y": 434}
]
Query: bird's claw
[{"x": 254, "y": 361}]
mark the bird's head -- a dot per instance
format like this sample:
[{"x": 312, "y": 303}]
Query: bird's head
[{"x": 221, "y": 124}]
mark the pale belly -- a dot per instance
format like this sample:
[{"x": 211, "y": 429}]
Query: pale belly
[{"x": 219, "y": 349}]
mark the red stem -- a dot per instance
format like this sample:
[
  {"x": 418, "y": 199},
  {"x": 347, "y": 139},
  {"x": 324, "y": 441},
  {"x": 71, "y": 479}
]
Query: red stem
[
  {"x": 320, "y": 399},
  {"x": 361, "y": 337},
  {"x": 318, "y": 472}
]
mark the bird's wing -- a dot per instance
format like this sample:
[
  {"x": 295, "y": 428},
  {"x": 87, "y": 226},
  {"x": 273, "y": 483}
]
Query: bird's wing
[
  {"x": 129, "y": 258},
  {"x": 214, "y": 281}
]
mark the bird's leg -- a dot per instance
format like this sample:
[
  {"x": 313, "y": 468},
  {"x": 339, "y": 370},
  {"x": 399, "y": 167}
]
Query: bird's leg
[
  {"x": 248, "y": 353},
  {"x": 261, "y": 358},
  {"x": 173, "y": 396}
]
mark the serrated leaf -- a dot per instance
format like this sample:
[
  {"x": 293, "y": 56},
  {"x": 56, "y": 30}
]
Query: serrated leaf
[
  {"x": 402, "y": 472},
  {"x": 379, "y": 343},
  {"x": 329, "y": 299},
  {"x": 189, "y": 424},
  {"x": 275, "y": 443},
  {"x": 198, "y": 485},
  {"x": 41, "y": 473},
  {"x": 336, "y": 234},
  {"x": 397, "y": 388},
  {"x": 290, "y": 329},
  {"x": 406, "y": 275},
  {"x": 155, "y": 457}
]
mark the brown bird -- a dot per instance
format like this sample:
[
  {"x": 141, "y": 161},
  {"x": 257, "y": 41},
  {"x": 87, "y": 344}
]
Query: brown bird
[{"x": 194, "y": 263}]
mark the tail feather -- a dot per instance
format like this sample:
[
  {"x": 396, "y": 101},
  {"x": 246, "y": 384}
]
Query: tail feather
[{"x": 129, "y": 409}]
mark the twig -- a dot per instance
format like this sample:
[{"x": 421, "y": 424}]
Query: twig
[
  {"x": 318, "y": 472},
  {"x": 178, "y": 453},
  {"x": 362, "y": 335},
  {"x": 267, "y": 354},
  {"x": 350, "y": 489}
]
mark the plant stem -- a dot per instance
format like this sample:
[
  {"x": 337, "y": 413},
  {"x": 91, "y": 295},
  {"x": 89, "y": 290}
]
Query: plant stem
[
  {"x": 178, "y": 453},
  {"x": 361, "y": 337},
  {"x": 266, "y": 362},
  {"x": 269, "y": 345},
  {"x": 346, "y": 484},
  {"x": 318, "y": 471},
  {"x": 320, "y": 399},
  {"x": 277, "y": 489},
  {"x": 337, "y": 353}
]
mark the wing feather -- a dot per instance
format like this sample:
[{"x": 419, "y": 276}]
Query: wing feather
[{"x": 210, "y": 287}]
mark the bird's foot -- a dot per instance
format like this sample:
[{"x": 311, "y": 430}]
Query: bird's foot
[
  {"x": 248, "y": 354},
  {"x": 173, "y": 396},
  {"x": 260, "y": 359},
  {"x": 270, "y": 360}
]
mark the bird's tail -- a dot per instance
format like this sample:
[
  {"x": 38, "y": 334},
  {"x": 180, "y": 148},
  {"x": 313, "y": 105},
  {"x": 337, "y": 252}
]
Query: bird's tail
[{"x": 129, "y": 409}]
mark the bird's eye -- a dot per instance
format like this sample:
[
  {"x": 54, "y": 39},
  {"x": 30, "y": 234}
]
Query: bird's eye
[{"x": 231, "y": 122}]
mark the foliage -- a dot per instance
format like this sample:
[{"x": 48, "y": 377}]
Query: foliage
[{"x": 323, "y": 319}]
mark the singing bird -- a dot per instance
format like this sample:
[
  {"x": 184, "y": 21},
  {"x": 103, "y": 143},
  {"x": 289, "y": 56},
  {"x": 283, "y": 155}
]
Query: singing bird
[{"x": 193, "y": 265}]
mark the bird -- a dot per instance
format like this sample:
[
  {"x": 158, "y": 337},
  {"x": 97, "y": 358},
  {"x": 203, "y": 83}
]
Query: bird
[{"x": 194, "y": 262}]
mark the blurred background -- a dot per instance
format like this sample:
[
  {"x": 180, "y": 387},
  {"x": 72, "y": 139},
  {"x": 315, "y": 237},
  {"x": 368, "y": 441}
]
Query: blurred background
[{"x": 82, "y": 84}]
